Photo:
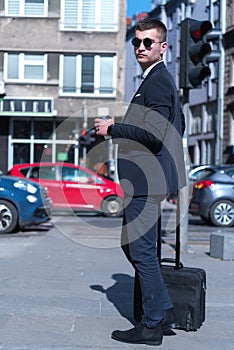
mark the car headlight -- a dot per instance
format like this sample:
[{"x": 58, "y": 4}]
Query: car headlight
[
  {"x": 31, "y": 199},
  {"x": 22, "y": 185}
]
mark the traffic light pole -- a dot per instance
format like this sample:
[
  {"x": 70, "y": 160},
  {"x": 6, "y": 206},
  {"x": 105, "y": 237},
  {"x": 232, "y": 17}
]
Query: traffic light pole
[
  {"x": 194, "y": 50},
  {"x": 220, "y": 107},
  {"x": 76, "y": 144},
  {"x": 85, "y": 125},
  {"x": 184, "y": 192}
]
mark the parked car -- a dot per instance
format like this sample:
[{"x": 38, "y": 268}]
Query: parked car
[
  {"x": 213, "y": 195},
  {"x": 75, "y": 187},
  {"x": 22, "y": 203}
]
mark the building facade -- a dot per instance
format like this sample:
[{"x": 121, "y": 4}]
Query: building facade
[{"x": 61, "y": 65}]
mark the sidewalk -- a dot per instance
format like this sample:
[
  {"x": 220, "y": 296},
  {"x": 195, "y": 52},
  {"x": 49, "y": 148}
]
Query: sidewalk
[{"x": 59, "y": 295}]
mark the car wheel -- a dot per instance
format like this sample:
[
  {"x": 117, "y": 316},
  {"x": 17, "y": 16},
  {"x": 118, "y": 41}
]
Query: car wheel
[
  {"x": 8, "y": 217},
  {"x": 112, "y": 206},
  {"x": 222, "y": 213}
]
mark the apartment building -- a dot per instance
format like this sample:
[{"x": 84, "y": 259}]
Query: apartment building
[{"x": 61, "y": 65}]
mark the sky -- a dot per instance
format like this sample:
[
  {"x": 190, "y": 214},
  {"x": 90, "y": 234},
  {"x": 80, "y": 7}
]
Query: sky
[{"x": 138, "y": 6}]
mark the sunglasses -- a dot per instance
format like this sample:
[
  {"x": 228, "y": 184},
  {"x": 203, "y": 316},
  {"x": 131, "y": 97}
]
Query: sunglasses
[{"x": 147, "y": 42}]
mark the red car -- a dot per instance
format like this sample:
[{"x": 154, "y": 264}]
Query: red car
[{"x": 75, "y": 187}]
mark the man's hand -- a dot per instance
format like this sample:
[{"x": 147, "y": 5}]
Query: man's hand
[{"x": 101, "y": 125}]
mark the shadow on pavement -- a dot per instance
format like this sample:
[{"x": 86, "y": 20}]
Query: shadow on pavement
[
  {"x": 28, "y": 231},
  {"x": 120, "y": 294}
]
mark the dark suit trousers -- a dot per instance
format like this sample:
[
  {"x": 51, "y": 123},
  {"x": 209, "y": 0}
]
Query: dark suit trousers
[{"x": 138, "y": 240}]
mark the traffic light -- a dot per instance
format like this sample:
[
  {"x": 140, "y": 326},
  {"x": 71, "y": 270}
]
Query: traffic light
[
  {"x": 86, "y": 137},
  {"x": 193, "y": 51}
]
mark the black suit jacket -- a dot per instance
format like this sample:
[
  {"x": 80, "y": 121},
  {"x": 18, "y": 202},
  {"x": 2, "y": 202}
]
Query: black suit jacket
[{"x": 151, "y": 157}]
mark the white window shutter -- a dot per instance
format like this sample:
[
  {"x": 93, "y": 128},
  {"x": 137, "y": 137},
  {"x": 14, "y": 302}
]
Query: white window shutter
[
  {"x": 70, "y": 13},
  {"x": 13, "y": 7}
]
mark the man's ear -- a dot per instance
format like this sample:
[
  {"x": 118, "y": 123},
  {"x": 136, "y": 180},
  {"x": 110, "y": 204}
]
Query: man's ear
[{"x": 163, "y": 47}]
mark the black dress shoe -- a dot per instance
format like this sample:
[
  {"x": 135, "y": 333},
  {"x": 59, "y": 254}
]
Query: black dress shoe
[
  {"x": 140, "y": 335},
  {"x": 169, "y": 321}
]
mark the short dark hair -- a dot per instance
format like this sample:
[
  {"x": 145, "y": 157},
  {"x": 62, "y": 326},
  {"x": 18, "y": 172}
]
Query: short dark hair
[{"x": 152, "y": 23}]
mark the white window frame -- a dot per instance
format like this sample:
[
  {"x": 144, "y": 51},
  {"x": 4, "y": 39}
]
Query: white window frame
[
  {"x": 97, "y": 24},
  {"x": 21, "y": 9},
  {"x": 22, "y": 64},
  {"x": 231, "y": 82},
  {"x": 169, "y": 54},
  {"x": 96, "y": 92}
]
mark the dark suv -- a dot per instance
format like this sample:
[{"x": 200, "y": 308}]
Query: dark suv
[{"x": 213, "y": 195}]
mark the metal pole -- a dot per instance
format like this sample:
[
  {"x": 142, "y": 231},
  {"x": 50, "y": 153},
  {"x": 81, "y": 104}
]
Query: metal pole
[
  {"x": 84, "y": 114},
  {"x": 116, "y": 178},
  {"x": 184, "y": 192},
  {"x": 85, "y": 125},
  {"x": 76, "y": 144},
  {"x": 183, "y": 201},
  {"x": 220, "y": 92}
]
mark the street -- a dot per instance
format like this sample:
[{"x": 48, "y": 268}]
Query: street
[
  {"x": 93, "y": 230},
  {"x": 60, "y": 293},
  {"x": 99, "y": 231}
]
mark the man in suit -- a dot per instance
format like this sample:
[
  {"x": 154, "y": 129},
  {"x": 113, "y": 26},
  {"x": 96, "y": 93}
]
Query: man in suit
[{"x": 150, "y": 166}]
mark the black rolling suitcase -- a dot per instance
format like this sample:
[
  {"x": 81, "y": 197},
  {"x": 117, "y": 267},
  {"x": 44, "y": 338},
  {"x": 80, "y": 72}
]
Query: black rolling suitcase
[{"x": 186, "y": 285}]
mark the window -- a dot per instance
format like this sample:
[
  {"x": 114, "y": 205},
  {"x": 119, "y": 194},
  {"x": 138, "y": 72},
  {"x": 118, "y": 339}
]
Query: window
[
  {"x": 34, "y": 173},
  {"x": 32, "y": 8},
  {"x": 232, "y": 71},
  {"x": 42, "y": 129},
  {"x": 209, "y": 124},
  {"x": 26, "y": 67},
  {"x": 95, "y": 15},
  {"x": 169, "y": 54},
  {"x": 88, "y": 74},
  {"x": 230, "y": 173},
  {"x": 24, "y": 171},
  {"x": 42, "y": 152},
  {"x": 43, "y": 172},
  {"x": 78, "y": 176},
  {"x": 21, "y": 129},
  {"x": 196, "y": 125},
  {"x": 21, "y": 153}
]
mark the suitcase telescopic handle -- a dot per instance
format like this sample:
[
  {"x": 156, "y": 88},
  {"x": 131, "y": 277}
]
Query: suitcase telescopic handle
[
  {"x": 176, "y": 261},
  {"x": 171, "y": 261},
  {"x": 177, "y": 248}
]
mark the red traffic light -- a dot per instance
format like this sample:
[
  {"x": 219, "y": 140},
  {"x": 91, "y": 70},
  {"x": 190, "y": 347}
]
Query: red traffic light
[
  {"x": 86, "y": 138},
  {"x": 199, "y": 28}
]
